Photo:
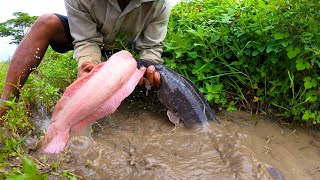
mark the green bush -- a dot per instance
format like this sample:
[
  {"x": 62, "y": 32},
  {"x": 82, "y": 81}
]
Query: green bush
[
  {"x": 257, "y": 55},
  {"x": 43, "y": 89},
  {"x": 47, "y": 83}
]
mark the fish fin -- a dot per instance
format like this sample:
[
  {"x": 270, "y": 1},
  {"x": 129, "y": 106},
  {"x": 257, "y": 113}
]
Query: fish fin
[
  {"x": 275, "y": 173},
  {"x": 82, "y": 129},
  {"x": 173, "y": 117},
  {"x": 54, "y": 141},
  {"x": 112, "y": 103},
  {"x": 147, "y": 85}
]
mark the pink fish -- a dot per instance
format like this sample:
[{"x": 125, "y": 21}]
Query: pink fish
[{"x": 92, "y": 97}]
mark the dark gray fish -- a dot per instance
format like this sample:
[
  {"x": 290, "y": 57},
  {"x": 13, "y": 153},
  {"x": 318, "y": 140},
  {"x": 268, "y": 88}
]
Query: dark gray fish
[
  {"x": 182, "y": 98},
  {"x": 275, "y": 173}
]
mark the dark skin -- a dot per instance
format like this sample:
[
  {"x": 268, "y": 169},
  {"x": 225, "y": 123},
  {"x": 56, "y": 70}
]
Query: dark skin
[{"x": 32, "y": 48}]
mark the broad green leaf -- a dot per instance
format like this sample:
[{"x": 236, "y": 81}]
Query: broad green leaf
[
  {"x": 268, "y": 28},
  {"x": 311, "y": 96},
  {"x": 278, "y": 36},
  {"x": 56, "y": 164},
  {"x": 301, "y": 64},
  {"x": 273, "y": 60},
  {"x": 209, "y": 87},
  {"x": 309, "y": 82},
  {"x": 231, "y": 106},
  {"x": 34, "y": 177},
  {"x": 255, "y": 99},
  {"x": 254, "y": 53},
  {"x": 193, "y": 54},
  {"x": 255, "y": 86},
  {"x": 210, "y": 96},
  {"x": 285, "y": 43},
  {"x": 214, "y": 38},
  {"x": 306, "y": 115},
  {"x": 183, "y": 66},
  {"x": 269, "y": 48},
  {"x": 261, "y": 48},
  {"x": 293, "y": 52},
  {"x": 225, "y": 18},
  {"x": 28, "y": 167},
  {"x": 178, "y": 54},
  {"x": 16, "y": 177}
]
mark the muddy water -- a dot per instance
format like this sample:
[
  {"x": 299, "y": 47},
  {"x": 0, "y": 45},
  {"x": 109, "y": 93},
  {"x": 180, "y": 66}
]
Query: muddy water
[
  {"x": 139, "y": 142},
  {"x": 295, "y": 151}
]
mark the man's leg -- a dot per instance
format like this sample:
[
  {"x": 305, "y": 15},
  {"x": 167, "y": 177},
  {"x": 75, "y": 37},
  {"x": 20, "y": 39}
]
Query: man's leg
[{"x": 29, "y": 53}]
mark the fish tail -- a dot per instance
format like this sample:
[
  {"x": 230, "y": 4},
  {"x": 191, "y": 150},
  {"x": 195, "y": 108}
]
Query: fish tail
[{"x": 54, "y": 141}]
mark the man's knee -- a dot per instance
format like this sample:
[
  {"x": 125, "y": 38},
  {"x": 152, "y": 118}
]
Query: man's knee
[{"x": 49, "y": 22}]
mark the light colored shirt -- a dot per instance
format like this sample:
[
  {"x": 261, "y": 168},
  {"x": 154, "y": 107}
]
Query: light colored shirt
[{"x": 95, "y": 24}]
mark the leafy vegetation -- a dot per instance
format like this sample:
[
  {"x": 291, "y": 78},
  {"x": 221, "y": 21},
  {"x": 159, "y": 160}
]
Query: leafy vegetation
[
  {"x": 259, "y": 56},
  {"x": 42, "y": 89},
  {"x": 17, "y": 27}
]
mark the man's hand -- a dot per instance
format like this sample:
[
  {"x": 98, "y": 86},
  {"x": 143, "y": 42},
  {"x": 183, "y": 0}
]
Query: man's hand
[
  {"x": 152, "y": 78},
  {"x": 3, "y": 110},
  {"x": 85, "y": 68}
]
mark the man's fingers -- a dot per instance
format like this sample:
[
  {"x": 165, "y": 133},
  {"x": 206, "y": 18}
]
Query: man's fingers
[
  {"x": 85, "y": 68},
  {"x": 88, "y": 67},
  {"x": 152, "y": 78},
  {"x": 150, "y": 74},
  {"x": 157, "y": 81},
  {"x": 140, "y": 83}
]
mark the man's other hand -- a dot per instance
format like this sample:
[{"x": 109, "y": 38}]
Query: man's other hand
[
  {"x": 151, "y": 78},
  {"x": 85, "y": 68}
]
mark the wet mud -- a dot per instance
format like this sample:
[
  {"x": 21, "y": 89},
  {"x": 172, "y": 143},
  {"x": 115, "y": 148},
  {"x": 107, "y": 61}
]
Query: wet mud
[{"x": 139, "y": 142}]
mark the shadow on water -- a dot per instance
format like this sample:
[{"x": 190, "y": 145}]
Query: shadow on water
[{"x": 139, "y": 142}]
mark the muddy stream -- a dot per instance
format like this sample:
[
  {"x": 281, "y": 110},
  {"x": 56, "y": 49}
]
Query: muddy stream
[{"x": 139, "y": 142}]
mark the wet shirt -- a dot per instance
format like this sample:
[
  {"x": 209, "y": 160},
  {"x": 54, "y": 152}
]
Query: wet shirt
[{"x": 101, "y": 24}]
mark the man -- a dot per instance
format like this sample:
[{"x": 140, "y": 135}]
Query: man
[{"x": 91, "y": 26}]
